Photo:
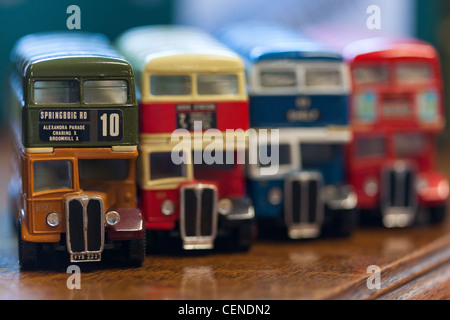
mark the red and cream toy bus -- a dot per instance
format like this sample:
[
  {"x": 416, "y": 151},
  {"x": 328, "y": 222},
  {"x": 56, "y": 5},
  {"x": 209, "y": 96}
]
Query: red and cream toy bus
[
  {"x": 191, "y": 84},
  {"x": 397, "y": 114}
]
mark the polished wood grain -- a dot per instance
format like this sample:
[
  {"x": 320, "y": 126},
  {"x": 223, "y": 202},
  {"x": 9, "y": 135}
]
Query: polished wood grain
[
  {"x": 414, "y": 264},
  {"x": 433, "y": 285}
]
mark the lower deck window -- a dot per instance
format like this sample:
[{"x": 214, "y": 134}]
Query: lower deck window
[
  {"x": 316, "y": 155},
  {"x": 266, "y": 154},
  {"x": 162, "y": 166},
  {"x": 103, "y": 169},
  {"x": 52, "y": 175},
  {"x": 409, "y": 144},
  {"x": 370, "y": 147}
]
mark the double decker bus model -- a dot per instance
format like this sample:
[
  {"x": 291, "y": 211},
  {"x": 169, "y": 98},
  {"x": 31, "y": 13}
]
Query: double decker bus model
[
  {"x": 397, "y": 113},
  {"x": 301, "y": 88},
  {"x": 191, "y": 83},
  {"x": 74, "y": 119}
]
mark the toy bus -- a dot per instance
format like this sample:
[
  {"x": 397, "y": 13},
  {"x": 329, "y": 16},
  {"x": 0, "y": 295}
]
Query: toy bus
[
  {"x": 190, "y": 83},
  {"x": 397, "y": 113},
  {"x": 301, "y": 88},
  {"x": 75, "y": 123}
]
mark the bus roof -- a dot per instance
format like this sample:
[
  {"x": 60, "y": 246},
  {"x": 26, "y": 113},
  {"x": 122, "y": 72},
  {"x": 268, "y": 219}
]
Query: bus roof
[
  {"x": 258, "y": 41},
  {"x": 162, "y": 48},
  {"x": 388, "y": 48},
  {"x": 68, "y": 54}
]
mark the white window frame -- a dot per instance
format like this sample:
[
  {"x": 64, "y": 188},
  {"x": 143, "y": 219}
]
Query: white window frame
[
  {"x": 300, "y": 68},
  {"x": 294, "y": 137}
]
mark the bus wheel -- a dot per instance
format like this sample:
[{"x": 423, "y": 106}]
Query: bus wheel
[
  {"x": 241, "y": 238},
  {"x": 28, "y": 252},
  {"x": 134, "y": 251},
  {"x": 339, "y": 224},
  {"x": 437, "y": 214},
  {"x": 347, "y": 224}
]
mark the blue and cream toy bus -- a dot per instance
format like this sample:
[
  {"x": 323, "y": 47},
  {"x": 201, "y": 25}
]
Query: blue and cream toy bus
[{"x": 300, "y": 88}]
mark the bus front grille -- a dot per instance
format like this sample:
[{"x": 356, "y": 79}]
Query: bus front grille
[
  {"x": 398, "y": 199},
  {"x": 303, "y": 207},
  {"x": 84, "y": 228},
  {"x": 198, "y": 216}
]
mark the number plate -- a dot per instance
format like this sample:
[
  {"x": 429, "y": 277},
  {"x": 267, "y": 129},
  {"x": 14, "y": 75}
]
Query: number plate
[{"x": 80, "y": 257}]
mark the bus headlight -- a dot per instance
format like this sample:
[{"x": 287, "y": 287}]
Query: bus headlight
[
  {"x": 167, "y": 207},
  {"x": 370, "y": 187},
  {"x": 275, "y": 196},
  {"x": 112, "y": 218},
  {"x": 53, "y": 219},
  {"x": 443, "y": 189},
  {"x": 421, "y": 185},
  {"x": 225, "y": 206}
]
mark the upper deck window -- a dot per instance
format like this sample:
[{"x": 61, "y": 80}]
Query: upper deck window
[
  {"x": 220, "y": 84},
  {"x": 278, "y": 79},
  {"x": 413, "y": 73},
  {"x": 293, "y": 77},
  {"x": 323, "y": 78},
  {"x": 54, "y": 92},
  {"x": 170, "y": 85},
  {"x": 372, "y": 74},
  {"x": 105, "y": 91}
]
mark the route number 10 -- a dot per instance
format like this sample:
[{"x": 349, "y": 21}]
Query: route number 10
[
  {"x": 110, "y": 126},
  {"x": 113, "y": 124}
]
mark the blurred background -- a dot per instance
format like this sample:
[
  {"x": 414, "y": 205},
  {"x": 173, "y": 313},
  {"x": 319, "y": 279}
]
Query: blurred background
[{"x": 424, "y": 19}]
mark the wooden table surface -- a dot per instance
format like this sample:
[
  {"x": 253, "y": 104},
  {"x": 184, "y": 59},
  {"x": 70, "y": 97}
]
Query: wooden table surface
[{"x": 414, "y": 264}]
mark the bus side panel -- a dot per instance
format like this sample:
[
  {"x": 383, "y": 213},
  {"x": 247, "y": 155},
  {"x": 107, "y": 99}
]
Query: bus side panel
[
  {"x": 231, "y": 182},
  {"x": 258, "y": 191},
  {"x": 360, "y": 172},
  {"x": 151, "y": 201},
  {"x": 285, "y": 111},
  {"x": 166, "y": 117},
  {"x": 332, "y": 168}
]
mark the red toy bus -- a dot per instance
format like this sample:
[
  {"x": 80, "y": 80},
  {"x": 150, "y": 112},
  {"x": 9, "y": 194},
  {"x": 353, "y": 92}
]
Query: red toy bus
[
  {"x": 397, "y": 113},
  {"x": 189, "y": 81}
]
